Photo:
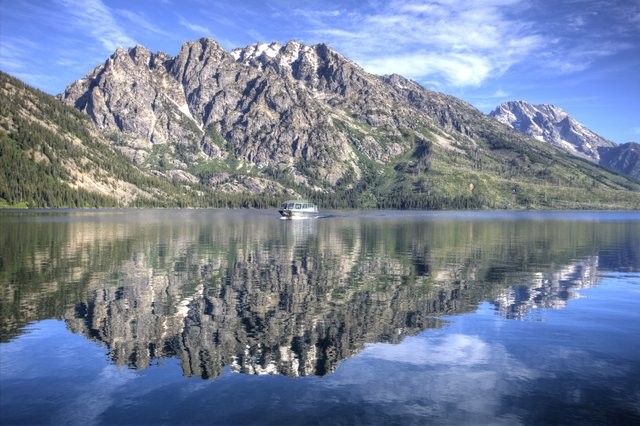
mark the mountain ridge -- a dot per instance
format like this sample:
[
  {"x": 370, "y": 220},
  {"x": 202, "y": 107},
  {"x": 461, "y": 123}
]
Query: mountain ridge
[
  {"x": 553, "y": 125},
  {"x": 280, "y": 120}
]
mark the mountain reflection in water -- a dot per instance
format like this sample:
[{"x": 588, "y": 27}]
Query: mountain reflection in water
[{"x": 247, "y": 291}]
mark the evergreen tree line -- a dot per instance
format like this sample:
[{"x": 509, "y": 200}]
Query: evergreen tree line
[
  {"x": 23, "y": 180},
  {"x": 397, "y": 201}
]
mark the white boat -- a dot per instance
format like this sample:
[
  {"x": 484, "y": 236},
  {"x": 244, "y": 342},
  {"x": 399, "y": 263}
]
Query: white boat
[{"x": 294, "y": 209}]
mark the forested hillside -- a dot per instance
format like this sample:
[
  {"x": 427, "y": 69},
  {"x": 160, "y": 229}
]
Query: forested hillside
[{"x": 51, "y": 155}]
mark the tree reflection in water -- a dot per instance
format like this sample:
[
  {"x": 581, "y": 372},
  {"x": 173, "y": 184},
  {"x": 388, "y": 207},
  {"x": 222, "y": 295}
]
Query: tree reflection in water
[{"x": 258, "y": 295}]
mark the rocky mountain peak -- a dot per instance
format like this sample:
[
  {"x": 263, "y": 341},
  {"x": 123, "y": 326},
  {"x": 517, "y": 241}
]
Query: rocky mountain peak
[
  {"x": 202, "y": 48},
  {"x": 134, "y": 56},
  {"x": 272, "y": 116},
  {"x": 253, "y": 51},
  {"x": 140, "y": 55},
  {"x": 313, "y": 66},
  {"x": 268, "y": 105},
  {"x": 552, "y": 124}
]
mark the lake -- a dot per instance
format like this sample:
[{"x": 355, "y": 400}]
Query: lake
[{"x": 120, "y": 317}]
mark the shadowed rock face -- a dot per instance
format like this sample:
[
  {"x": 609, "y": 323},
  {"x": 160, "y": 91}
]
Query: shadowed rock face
[{"x": 623, "y": 158}]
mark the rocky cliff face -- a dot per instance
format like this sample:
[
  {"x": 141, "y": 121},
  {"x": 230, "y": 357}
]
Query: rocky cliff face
[
  {"x": 53, "y": 156},
  {"x": 551, "y": 124},
  {"x": 269, "y": 106},
  {"x": 279, "y": 120},
  {"x": 302, "y": 110}
]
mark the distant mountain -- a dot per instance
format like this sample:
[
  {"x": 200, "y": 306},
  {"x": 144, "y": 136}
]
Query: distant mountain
[
  {"x": 623, "y": 158},
  {"x": 270, "y": 121},
  {"x": 553, "y": 125}
]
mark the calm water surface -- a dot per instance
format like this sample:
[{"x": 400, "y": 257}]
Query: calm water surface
[{"x": 237, "y": 317}]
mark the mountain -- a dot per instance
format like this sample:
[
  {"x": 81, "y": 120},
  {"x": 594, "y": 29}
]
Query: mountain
[
  {"x": 269, "y": 121},
  {"x": 272, "y": 118},
  {"x": 51, "y": 155},
  {"x": 551, "y": 124},
  {"x": 624, "y": 158}
]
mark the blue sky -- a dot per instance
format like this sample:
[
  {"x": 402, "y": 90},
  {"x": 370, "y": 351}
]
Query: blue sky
[{"x": 580, "y": 55}]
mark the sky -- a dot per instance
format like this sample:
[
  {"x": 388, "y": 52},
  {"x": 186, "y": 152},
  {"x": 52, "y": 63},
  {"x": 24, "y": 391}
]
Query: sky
[{"x": 580, "y": 55}]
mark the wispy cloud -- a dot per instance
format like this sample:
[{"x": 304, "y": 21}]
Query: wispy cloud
[
  {"x": 462, "y": 44},
  {"x": 14, "y": 52},
  {"x": 500, "y": 94},
  {"x": 587, "y": 34},
  {"x": 141, "y": 22},
  {"x": 58, "y": 40},
  {"x": 196, "y": 28},
  {"x": 567, "y": 58},
  {"x": 96, "y": 19},
  {"x": 465, "y": 44},
  {"x": 449, "y": 372},
  {"x": 16, "y": 58},
  {"x": 256, "y": 35},
  {"x": 458, "y": 69}
]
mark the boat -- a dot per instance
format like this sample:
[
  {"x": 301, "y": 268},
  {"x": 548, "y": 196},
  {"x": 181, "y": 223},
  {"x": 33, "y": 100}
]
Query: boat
[{"x": 297, "y": 209}]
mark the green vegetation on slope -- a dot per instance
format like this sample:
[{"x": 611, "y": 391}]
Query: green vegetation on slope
[
  {"x": 47, "y": 151},
  {"x": 504, "y": 171},
  {"x": 52, "y": 156}
]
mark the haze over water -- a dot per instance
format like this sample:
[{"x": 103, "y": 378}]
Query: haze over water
[{"x": 372, "y": 317}]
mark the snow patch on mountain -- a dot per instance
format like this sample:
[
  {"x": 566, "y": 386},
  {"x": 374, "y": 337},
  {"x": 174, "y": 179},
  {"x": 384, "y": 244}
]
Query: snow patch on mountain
[{"x": 184, "y": 108}]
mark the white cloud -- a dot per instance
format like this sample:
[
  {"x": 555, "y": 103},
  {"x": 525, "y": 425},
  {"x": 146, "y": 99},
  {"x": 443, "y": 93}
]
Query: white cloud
[
  {"x": 141, "y": 22},
  {"x": 94, "y": 18},
  {"x": 199, "y": 29},
  {"x": 459, "y": 377},
  {"x": 458, "y": 69},
  {"x": 462, "y": 44},
  {"x": 449, "y": 350}
]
